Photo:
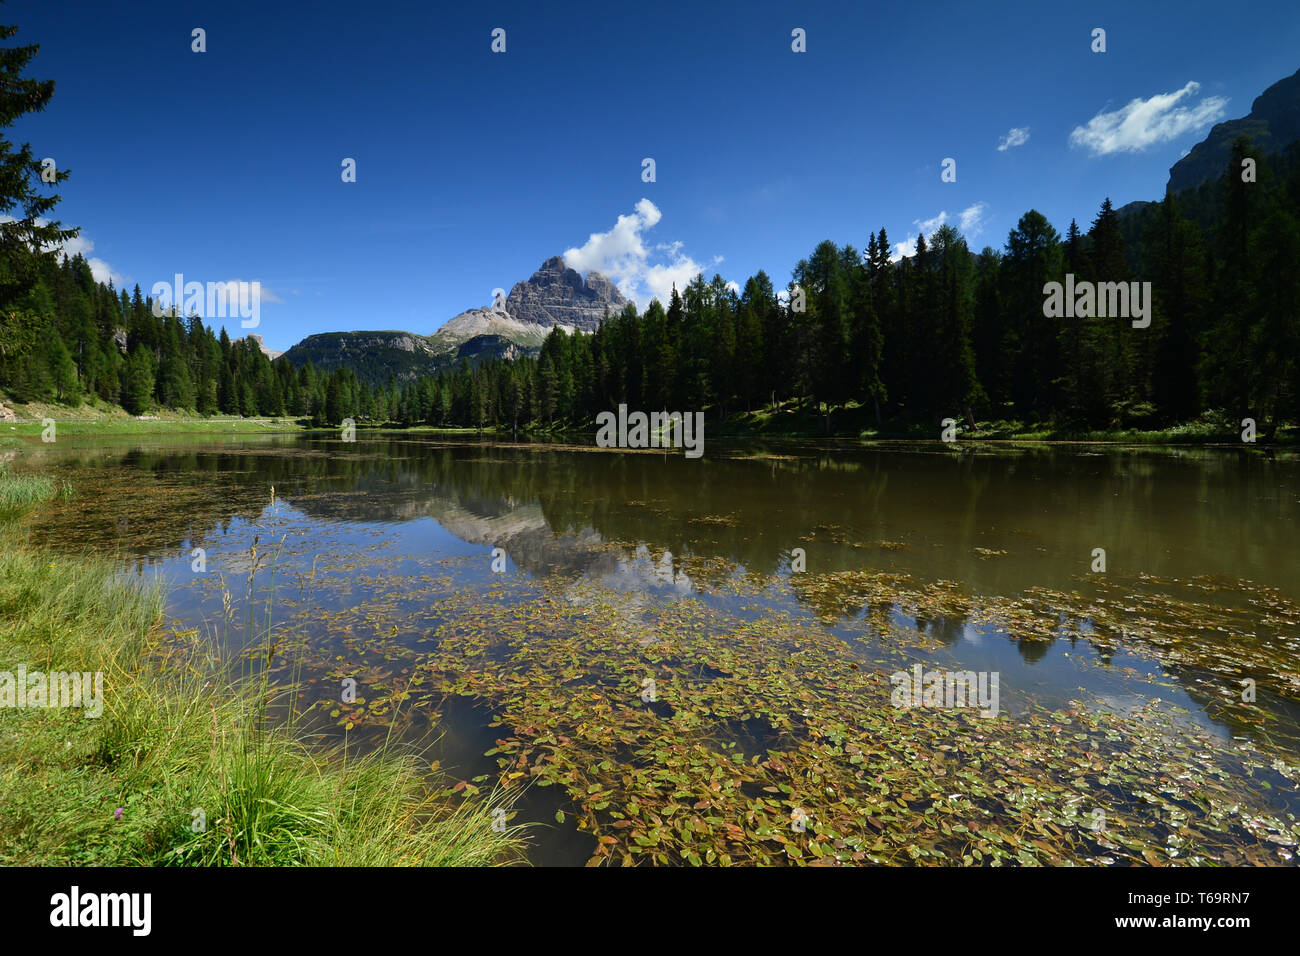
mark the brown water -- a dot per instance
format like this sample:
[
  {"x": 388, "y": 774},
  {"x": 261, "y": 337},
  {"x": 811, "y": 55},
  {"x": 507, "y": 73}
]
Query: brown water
[{"x": 959, "y": 558}]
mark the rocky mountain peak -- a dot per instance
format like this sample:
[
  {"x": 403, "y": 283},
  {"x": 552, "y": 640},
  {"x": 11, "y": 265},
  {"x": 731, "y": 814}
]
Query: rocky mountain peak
[
  {"x": 257, "y": 340},
  {"x": 558, "y": 295},
  {"x": 1272, "y": 124}
]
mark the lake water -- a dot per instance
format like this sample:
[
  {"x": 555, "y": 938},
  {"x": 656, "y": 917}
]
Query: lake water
[{"x": 697, "y": 659}]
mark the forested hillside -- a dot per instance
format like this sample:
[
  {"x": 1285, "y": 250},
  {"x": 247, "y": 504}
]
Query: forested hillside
[
  {"x": 949, "y": 332},
  {"x": 70, "y": 339}
]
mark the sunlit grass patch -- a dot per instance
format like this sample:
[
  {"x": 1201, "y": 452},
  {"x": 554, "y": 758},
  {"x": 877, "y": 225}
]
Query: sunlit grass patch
[
  {"x": 19, "y": 493},
  {"x": 185, "y": 766}
]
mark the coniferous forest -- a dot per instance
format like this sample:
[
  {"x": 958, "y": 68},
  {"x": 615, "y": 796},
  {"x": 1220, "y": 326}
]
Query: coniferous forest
[
  {"x": 410, "y": 598},
  {"x": 948, "y": 332}
]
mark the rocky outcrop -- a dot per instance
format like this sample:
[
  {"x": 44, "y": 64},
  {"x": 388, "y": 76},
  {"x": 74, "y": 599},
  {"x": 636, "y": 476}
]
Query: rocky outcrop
[
  {"x": 557, "y": 295},
  {"x": 373, "y": 356},
  {"x": 1272, "y": 124},
  {"x": 498, "y": 323},
  {"x": 269, "y": 353},
  {"x": 491, "y": 346}
]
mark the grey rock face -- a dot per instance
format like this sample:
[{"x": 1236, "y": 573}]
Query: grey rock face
[
  {"x": 1272, "y": 124},
  {"x": 557, "y": 295},
  {"x": 272, "y": 354}
]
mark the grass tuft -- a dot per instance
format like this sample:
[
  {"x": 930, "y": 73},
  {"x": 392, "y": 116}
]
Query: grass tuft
[{"x": 182, "y": 767}]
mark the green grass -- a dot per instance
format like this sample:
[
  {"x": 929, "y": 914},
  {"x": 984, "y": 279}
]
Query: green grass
[
  {"x": 177, "y": 735},
  {"x": 77, "y": 428},
  {"x": 22, "y": 493}
]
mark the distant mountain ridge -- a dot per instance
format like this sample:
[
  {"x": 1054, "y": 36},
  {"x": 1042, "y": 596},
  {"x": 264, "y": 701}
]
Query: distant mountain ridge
[
  {"x": 270, "y": 353},
  {"x": 1272, "y": 124},
  {"x": 555, "y": 295},
  {"x": 372, "y": 356},
  {"x": 490, "y": 321}
]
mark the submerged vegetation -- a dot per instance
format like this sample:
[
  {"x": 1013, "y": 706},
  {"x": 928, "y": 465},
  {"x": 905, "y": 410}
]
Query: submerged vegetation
[
  {"x": 187, "y": 765},
  {"x": 759, "y": 721},
  {"x": 648, "y": 685}
]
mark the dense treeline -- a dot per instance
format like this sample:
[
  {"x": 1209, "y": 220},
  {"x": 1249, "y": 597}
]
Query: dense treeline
[
  {"x": 945, "y": 332},
  {"x": 66, "y": 338},
  {"x": 69, "y": 339},
  {"x": 948, "y": 332}
]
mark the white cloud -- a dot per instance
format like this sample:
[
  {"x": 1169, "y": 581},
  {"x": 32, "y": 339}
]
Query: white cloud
[
  {"x": 970, "y": 221},
  {"x": 103, "y": 272},
  {"x": 100, "y": 269},
  {"x": 930, "y": 225},
  {"x": 904, "y": 250},
  {"x": 622, "y": 256},
  {"x": 1143, "y": 123},
  {"x": 1016, "y": 136}
]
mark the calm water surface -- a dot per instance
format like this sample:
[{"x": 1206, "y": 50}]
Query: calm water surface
[{"x": 372, "y": 539}]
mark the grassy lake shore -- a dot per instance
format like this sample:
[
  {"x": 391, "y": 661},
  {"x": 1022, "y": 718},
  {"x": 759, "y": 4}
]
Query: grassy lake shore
[
  {"x": 183, "y": 766},
  {"x": 853, "y": 422}
]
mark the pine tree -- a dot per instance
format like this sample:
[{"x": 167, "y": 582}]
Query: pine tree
[
  {"x": 27, "y": 240},
  {"x": 137, "y": 391},
  {"x": 1032, "y": 259},
  {"x": 1105, "y": 347},
  {"x": 1176, "y": 256},
  {"x": 956, "y": 389}
]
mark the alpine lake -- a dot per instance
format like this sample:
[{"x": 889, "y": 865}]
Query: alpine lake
[{"x": 698, "y": 661}]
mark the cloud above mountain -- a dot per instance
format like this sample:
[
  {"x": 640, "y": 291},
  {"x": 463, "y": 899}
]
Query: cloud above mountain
[
  {"x": 641, "y": 270},
  {"x": 1143, "y": 123}
]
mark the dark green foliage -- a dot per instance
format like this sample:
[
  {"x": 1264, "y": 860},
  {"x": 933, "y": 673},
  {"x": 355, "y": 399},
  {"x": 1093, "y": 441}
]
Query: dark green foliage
[
  {"x": 25, "y": 240},
  {"x": 69, "y": 339},
  {"x": 947, "y": 333},
  {"x": 942, "y": 334}
]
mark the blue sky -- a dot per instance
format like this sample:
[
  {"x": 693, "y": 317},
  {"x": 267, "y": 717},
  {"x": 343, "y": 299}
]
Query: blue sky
[{"x": 473, "y": 166}]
